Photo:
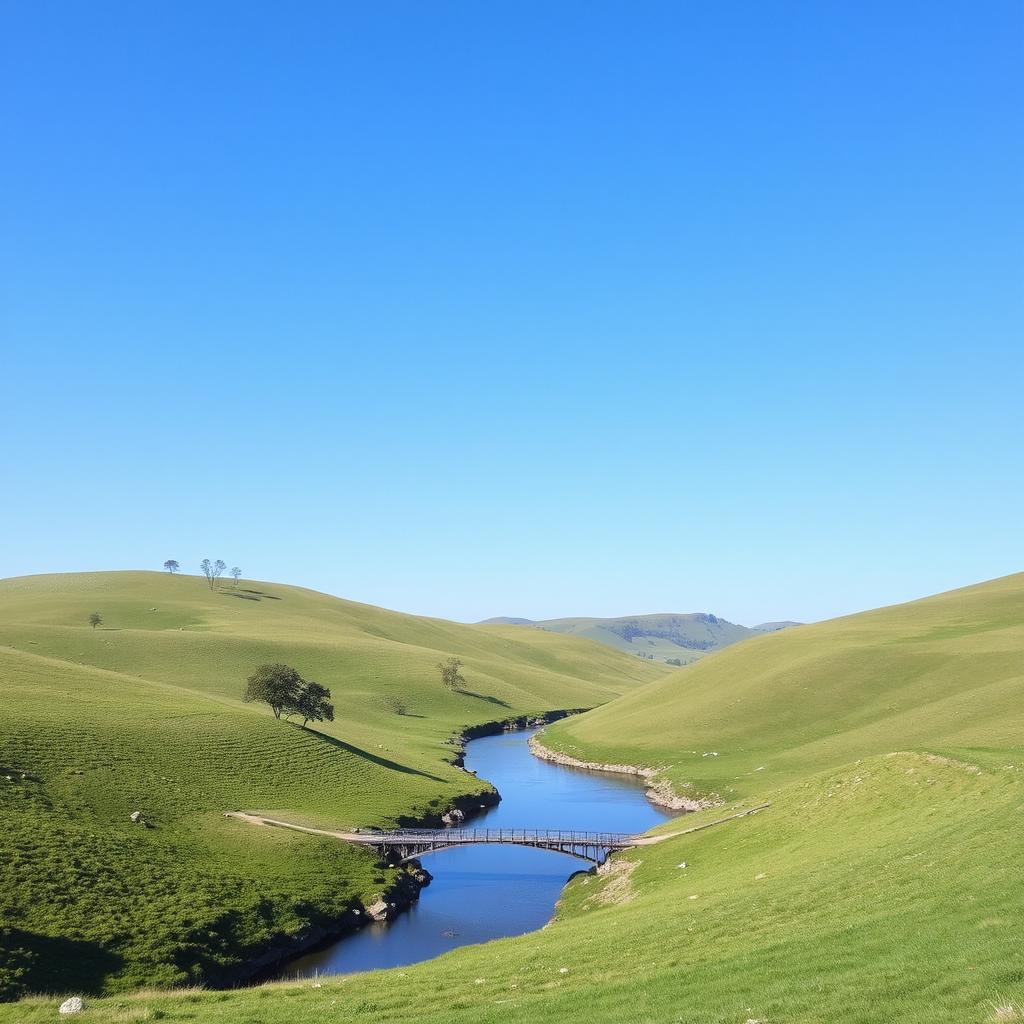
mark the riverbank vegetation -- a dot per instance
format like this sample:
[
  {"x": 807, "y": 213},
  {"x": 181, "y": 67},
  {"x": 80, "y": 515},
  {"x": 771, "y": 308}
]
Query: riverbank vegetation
[
  {"x": 143, "y": 716},
  {"x": 882, "y": 884}
]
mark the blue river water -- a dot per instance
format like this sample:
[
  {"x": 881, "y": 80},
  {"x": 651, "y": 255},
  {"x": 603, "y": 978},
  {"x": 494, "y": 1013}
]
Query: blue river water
[{"x": 487, "y": 892}]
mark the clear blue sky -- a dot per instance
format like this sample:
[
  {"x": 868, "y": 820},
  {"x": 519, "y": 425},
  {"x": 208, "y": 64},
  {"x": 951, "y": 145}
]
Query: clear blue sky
[{"x": 529, "y": 308}]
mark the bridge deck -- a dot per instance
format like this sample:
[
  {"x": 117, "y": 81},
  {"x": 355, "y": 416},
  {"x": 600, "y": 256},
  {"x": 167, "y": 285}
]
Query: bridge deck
[{"x": 517, "y": 836}]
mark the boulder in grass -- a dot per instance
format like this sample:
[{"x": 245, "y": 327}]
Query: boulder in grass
[
  {"x": 136, "y": 817},
  {"x": 72, "y": 1005}
]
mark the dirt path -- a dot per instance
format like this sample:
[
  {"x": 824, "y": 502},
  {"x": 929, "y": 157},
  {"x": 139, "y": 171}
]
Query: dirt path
[
  {"x": 258, "y": 819},
  {"x": 651, "y": 840}
]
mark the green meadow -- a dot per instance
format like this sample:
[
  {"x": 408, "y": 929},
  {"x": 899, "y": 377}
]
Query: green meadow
[
  {"x": 883, "y": 884},
  {"x": 145, "y": 714}
]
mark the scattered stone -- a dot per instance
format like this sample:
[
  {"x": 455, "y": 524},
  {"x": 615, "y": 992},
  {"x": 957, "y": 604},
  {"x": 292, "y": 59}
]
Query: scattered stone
[
  {"x": 136, "y": 817},
  {"x": 563, "y": 970},
  {"x": 757, "y": 878},
  {"x": 453, "y": 817},
  {"x": 692, "y": 897},
  {"x": 72, "y": 1005},
  {"x": 683, "y": 865}
]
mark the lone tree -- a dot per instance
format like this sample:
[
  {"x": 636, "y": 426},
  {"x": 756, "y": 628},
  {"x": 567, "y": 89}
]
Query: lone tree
[
  {"x": 451, "y": 675},
  {"x": 278, "y": 685},
  {"x": 236, "y": 574},
  {"x": 313, "y": 704},
  {"x": 95, "y": 619},
  {"x": 212, "y": 572},
  {"x": 171, "y": 566}
]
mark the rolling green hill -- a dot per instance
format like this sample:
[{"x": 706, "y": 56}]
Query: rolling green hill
[
  {"x": 144, "y": 714},
  {"x": 671, "y": 638},
  {"x": 882, "y": 884}
]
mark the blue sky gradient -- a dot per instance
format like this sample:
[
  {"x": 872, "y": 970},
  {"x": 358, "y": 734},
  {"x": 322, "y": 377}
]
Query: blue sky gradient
[{"x": 517, "y": 308}]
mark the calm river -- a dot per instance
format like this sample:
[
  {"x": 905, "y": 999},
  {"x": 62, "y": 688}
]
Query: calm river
[{"x": 486, "y": 892}]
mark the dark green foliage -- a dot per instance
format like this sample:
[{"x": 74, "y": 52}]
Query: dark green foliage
[
  {"x": 171, "y": 565},
  {"x": 451, "y": 673},
  {"x": 95, "y": 619},
  {"x": 312, "y": 704},
  {"x": 277, "y": 685}
]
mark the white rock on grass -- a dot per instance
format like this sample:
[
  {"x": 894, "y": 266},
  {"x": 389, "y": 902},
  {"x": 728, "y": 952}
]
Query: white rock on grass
[{"x": 72, "y": 1005}]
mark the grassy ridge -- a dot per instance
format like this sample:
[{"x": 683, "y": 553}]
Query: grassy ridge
[
  {"x": 144, "y": 714},
  {"x": 945, "y": 674},
  {"x": 883, "y": 883},
  {"x": 680, "y": 638}
]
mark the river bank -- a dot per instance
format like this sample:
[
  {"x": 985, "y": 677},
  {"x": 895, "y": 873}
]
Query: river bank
[
  {"x": 481, "y": 893},
  {"x": 659, "y": 790},
  {"x": 400, "y": 894}
]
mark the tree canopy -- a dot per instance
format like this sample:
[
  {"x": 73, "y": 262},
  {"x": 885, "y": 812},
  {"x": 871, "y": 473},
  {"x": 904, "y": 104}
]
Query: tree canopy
[
  {"x": 451, "y": 674},
  {"x": 275, "y": 684},
  {"x": 287, "y": 693},
  {"x": 313, "y": 704},
  {"x": 212, "y": 571}
]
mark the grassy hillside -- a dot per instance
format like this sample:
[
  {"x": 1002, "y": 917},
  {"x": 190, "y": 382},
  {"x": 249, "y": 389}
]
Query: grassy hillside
[
  {"x": 145, "y": 714},
  {"x": 883, "y": 884},
  {"x": 943, "y": 674},
  {"x": 670, "y": 638}
]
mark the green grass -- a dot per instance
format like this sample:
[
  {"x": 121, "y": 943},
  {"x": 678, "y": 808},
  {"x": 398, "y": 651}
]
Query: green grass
[
  {"x": 144, "y": 714},
  {"x": 945, "y": 673},
  {"x": 882, "y": 885}
]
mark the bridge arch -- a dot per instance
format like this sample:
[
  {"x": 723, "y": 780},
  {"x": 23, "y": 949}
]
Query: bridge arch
[{"x": 403, "y": 845}]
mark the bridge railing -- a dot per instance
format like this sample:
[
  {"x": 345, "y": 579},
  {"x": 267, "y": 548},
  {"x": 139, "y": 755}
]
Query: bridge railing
[{"x": 502, "y": 835}]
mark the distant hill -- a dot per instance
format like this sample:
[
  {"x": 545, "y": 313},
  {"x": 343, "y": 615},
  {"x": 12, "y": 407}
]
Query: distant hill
[{"x": 672, "y": 638}]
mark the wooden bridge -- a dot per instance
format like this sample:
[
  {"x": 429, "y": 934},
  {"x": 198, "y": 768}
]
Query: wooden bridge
[{"x": 404, "y": 844}]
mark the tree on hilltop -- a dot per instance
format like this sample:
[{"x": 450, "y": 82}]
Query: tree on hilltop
[
  {"x": 277, "y": 685},
  {"x": 212, "y": 571},
  {"x": 236, "y": 574},
  {"x": 95, "y": 619},
  {"x": 451, "y": 674},
  {"x": 171, "y": 566}
]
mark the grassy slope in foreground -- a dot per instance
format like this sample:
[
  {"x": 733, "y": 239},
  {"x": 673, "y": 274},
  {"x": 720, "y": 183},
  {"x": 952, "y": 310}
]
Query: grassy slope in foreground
[
  {"x": 144, "y": 714},
  {"x": 885, "y": 889}
]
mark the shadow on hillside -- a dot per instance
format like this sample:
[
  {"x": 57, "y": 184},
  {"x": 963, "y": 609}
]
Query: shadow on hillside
[
  {"x": 249, "y": 595},
  {"x": 43, "y": 963},
  {"x": 366, "y": 755},
  {"x": 483, "y": 696}
]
